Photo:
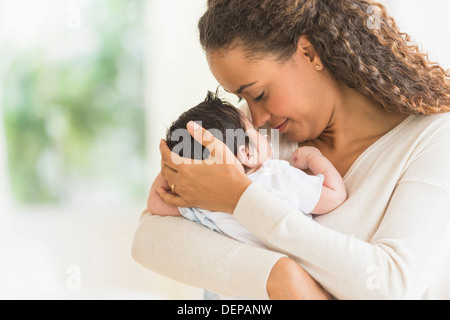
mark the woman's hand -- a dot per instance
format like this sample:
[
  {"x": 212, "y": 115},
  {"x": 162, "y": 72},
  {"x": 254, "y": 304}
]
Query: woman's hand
[
  {"x": 289, "y": 281},
  {"x": 215, "y": 184}
]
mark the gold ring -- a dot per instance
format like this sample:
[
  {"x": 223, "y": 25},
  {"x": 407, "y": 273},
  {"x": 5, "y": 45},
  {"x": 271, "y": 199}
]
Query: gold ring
[{"x": 173, "y": 190}]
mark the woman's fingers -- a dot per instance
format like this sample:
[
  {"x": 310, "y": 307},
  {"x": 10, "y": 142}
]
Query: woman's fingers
[
  {"x": 206, "y": 138},
  {"x": 169, "y": 158},
  {"x": 219, "y": 152},
  {"x": 169, "y": 174},
  {"x": 202, "y": 136}
]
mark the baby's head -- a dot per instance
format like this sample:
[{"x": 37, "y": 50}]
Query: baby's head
[{"x": 226, "y": 123}]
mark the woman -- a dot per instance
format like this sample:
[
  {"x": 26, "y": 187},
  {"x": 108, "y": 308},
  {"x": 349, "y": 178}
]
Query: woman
[{"x": 325, "y": 75}]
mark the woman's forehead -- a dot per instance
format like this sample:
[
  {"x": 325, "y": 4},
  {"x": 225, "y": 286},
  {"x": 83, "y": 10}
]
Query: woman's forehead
[{"x": 234, "y": 70}]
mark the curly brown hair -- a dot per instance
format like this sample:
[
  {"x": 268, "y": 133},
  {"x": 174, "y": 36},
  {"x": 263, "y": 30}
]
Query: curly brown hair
[{"x": 372, "y": 57}]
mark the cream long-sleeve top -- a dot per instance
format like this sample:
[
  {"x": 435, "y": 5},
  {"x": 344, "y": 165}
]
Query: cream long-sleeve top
[{"x": 389, "y": 240}]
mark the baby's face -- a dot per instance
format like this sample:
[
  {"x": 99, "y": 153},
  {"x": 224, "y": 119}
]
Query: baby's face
[{"x": 263, "y": 150}]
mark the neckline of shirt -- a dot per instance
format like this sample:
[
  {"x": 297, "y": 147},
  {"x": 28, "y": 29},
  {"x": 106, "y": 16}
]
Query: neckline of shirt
[{"x": 376, "y": 143}]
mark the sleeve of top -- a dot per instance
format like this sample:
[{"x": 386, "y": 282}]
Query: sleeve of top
[
  {"x": 304, "y": 190},
  {"x": 190, "y": 253},
  {"x": 408, "y": 249},
  {"x": 286, "y": 182}
]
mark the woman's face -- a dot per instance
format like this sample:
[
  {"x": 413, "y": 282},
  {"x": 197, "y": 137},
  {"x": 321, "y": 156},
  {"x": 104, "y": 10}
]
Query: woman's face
[{"x": 291, "y": 96}]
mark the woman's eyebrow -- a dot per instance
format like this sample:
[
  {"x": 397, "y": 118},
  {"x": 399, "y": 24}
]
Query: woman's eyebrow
[
  {"x": 245, "y": 86},
  {"x": 242, "y": 88}
]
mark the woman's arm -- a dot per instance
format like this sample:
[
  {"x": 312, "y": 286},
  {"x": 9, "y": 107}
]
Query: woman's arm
[
  {"x": 289, "y": 281},
  {"x": 334, "y": 193},
  {"x": 192, "y": 254},
  {"x": 409, "y": 245},
  {"x": 399, "y": 262}
]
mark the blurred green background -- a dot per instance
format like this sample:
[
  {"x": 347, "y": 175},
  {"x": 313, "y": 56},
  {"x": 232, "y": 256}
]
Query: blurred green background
[
  {"x": 87, "y": 89},
  {"x": 73, "y": 106}
]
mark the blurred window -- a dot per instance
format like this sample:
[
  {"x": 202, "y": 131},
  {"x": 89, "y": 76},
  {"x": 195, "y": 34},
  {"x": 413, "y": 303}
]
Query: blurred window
[{"x": 72, "y": 96}]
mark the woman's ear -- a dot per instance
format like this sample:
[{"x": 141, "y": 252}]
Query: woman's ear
[{"x": 305, "y": 49}]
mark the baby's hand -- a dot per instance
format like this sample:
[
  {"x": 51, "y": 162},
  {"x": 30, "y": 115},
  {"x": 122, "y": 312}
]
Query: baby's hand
[{"x": 303, "y": 155}]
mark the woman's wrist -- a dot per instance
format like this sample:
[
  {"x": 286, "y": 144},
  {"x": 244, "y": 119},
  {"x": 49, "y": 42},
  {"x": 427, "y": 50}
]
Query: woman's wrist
[{"x": 239, "y": 190}]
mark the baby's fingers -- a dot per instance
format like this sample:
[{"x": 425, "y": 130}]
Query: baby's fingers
[{"x": 171, "y": 199}]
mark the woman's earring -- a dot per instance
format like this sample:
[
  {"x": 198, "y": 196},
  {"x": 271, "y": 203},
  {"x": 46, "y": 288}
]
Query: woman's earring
[{"x": 317, "y": 66}]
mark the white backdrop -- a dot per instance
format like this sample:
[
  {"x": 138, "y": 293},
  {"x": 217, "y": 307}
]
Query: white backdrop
[
  {"x": 177, "y": 74},
  {"x": 427, "y": 22}
]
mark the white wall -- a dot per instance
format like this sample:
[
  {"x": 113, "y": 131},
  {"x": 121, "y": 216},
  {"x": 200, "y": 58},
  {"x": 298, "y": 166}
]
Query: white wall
[
  {"x": 427, "y": 22},
  {"x": 177, "y": 74}
]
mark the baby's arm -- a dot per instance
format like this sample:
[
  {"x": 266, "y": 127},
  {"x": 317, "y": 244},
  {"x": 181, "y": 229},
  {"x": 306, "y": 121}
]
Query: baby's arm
[
  {"x": 155, "y": 204},
  {"x": 334, "y": 193}
]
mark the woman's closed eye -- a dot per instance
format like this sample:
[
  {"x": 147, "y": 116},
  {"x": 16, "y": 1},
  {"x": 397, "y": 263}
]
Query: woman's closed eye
[{"x": 257, "y": 99}]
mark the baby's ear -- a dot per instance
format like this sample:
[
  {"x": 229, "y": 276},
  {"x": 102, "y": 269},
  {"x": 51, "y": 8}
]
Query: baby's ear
[
  {"x": 246, "y": 156},
  {"x": 242, "y": 154}
]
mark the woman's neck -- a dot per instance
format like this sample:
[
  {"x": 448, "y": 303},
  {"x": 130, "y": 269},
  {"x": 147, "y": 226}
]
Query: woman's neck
[
  {"x": 357, "y": 119},
  {"x": 355, "y": 125}
]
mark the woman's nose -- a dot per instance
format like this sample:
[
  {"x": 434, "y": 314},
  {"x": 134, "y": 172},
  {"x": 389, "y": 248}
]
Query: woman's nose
[{"x": 259, "y": 116}]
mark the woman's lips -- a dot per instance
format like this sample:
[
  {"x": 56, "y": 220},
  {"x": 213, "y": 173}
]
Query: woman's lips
[{"x": 283, "y": 126}]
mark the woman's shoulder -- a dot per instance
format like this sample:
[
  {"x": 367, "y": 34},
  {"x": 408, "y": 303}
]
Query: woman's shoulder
[
  {"x": 430, "y": 124},
  {"x": 416, "y": 150},
  {"x": 429, "y": 157},
  {"x": 429, "y": 133},
  {"x": 425, "y": 130}
]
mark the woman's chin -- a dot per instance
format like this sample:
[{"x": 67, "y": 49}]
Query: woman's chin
[{"x": 292, "y": 137}]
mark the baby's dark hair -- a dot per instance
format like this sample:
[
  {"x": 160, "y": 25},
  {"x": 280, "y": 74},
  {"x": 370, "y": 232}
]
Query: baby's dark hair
[{"x": 219, "y": 117}]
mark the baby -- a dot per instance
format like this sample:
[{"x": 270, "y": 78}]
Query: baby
[{"x": 315, "y": 194}]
